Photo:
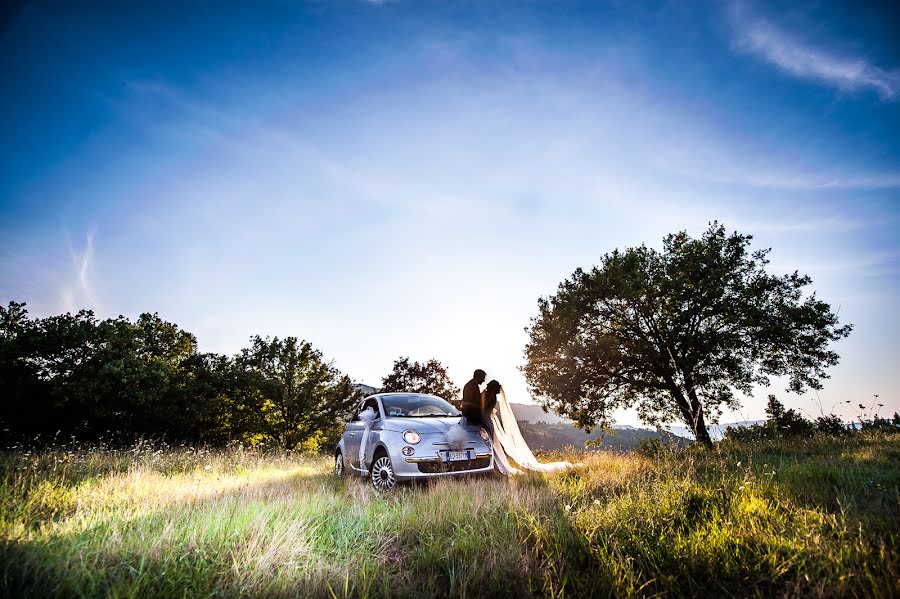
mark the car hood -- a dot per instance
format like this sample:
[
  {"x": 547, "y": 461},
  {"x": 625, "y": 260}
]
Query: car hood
[{"x": 425, "y": 425}]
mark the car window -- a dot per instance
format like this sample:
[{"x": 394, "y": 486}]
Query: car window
[
  {"x": 417, "y": 406},
  {"x": 372, "y": 403}
]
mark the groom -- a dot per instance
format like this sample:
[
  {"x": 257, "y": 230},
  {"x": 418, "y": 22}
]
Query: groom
[{"x": 471, "y": 403}]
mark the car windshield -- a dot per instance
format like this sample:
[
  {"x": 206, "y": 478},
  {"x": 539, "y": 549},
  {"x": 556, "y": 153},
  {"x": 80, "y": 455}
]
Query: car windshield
[{"x": 417, "y": 406}]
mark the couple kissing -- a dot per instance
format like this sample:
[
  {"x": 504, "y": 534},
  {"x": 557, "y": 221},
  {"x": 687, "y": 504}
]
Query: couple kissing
[{"x": 490, "y": 410}]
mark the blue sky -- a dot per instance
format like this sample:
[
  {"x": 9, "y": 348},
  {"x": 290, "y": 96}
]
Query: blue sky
[{"x": 407, "y": 178}]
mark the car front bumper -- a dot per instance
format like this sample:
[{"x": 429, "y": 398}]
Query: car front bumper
[{"x": 418, "y": 467}]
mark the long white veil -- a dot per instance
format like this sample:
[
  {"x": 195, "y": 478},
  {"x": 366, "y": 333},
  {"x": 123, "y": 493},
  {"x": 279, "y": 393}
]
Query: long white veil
[{"x": 508, "y": 441}]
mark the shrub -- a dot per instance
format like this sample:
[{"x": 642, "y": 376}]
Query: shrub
[
  {"x": 650, "y": 448},
  {"x": 787, "y": 423},
  {"x": 831, "y": 426},
  {"x": 782, "y": 424}
]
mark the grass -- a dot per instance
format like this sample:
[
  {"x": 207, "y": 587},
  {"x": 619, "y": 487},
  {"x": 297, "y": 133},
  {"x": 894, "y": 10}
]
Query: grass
[{"x": 818, "y": 517}]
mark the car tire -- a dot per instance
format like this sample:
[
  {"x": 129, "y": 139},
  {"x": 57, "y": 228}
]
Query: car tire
[
  {"x": 382, "y": 473},
  {"x": 339, "y": 465}
]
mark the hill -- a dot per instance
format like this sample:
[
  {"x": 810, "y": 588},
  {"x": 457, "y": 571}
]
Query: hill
[
  {"x": 716, "y": 431},
  {"x": 535, "y": 413},
  {"x": 549, "y": 432},
  {"x": 550, "y": 437}
]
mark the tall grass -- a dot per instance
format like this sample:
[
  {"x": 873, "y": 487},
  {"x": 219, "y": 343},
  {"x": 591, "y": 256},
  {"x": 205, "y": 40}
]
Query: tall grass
[{"x": 812, "y": 518}]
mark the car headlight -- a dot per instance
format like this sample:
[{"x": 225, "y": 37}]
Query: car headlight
[
  {"x": 484, "y": 434},
  {"x": 411, "y": 437}
]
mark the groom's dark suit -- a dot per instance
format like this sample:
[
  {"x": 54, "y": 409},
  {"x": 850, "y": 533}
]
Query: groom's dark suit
[{"x": 471, "y": 403}]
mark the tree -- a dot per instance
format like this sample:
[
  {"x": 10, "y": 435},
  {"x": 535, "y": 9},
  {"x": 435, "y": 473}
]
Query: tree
[
  {"x": 297, "y": 398},
  {"x": 72, "y": 374},
  {"x": 91, "y": 378},
  {"x": 676, "y": 332},
  {"x": 787, "y": 423},
  {"x": 413, "y": 377}
]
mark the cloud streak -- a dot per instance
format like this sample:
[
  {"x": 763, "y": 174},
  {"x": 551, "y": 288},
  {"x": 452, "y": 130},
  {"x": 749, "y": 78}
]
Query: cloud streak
[
  {"x": 849, "y": 74},
  {"x": 78, "y": 292}
]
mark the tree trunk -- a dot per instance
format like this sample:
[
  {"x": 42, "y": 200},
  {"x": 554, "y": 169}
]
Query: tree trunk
[
  {"x": 700, "y": 432},
  {"x": 691, "y": 412}
]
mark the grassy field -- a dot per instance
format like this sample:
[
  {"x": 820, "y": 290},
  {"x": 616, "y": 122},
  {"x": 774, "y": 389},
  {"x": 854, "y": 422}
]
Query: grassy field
[{"x": 805, "y": 518}]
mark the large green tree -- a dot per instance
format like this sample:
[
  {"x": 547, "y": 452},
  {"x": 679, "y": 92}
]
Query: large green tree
[
  {"x": 77, "y": 375},
  {"x": 676, "y": 332},
  {"x": 297, "y": 398},
  {"x": 420, "y": 377}
]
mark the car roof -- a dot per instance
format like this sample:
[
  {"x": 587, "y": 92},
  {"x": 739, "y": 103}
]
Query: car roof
[
  {"x": 403, "y": 393},
  {"x": 379, "y": 395}
]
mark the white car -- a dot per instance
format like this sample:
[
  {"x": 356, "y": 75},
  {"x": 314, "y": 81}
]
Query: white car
[{"x": 409, "y": 436}]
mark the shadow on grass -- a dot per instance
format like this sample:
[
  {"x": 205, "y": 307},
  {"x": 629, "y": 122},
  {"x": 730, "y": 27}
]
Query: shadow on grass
[
  {"x": 303, "y": 534},
  {"x": 186, "y": 546},
  {"x": 309, "y": 534}
]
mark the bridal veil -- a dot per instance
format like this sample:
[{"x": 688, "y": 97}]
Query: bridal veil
[{"x": 509, "y": 443}]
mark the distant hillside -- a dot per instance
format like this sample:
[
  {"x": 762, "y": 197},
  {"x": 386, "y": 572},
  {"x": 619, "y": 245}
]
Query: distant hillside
[
  {"x": 548, "y": 431},
  {"x": 535, "y": 413},
  {"x": 716, "y": 431},
  {"x": 542, "y": 435}
]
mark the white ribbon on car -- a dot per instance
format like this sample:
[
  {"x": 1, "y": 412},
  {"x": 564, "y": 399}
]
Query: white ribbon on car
[{"x": 368, "y": 417}]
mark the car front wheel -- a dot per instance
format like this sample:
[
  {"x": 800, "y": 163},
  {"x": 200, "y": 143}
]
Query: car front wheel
[{"x": 382, "y": 474}]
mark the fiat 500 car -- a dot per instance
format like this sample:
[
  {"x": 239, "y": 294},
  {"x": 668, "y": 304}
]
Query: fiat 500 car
[{"x": 393, "y": 437}]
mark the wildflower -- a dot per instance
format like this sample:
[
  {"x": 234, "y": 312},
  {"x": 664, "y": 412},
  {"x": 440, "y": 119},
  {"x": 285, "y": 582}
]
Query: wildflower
[{"x": 207, "y": 467}]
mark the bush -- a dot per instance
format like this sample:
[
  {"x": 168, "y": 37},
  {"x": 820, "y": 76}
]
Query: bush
[
  {"x": 831, "y": 426},
  {"x": 749, "y": 434},
  {"x": 878, "y": 423},
  {"x": 786, "y": 424},
  {"x": 651, "y": 448}
]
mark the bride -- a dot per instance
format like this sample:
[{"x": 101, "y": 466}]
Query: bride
[{"x": 506, "y": 438}]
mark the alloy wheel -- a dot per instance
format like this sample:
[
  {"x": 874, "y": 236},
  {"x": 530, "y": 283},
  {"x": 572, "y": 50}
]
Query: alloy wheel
[
  {"x": 382, "y": 475},
  {"x": 339, "y": 465}
]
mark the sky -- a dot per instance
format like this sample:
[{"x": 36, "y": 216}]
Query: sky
[{"x": 403, "y": 178}]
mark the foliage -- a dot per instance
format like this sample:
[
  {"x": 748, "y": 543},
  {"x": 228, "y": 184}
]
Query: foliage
[
  {"x": 78, "y": 375},
  {"x": 807, "y": 517},
  {"x": 676, "y": 332},
  {"x": 831, "y": 425},
  {"x": 788, "y": 424},
  {"x": 426, "y": 377},
  {"x": 651, "y": 448},
  {"x": 293, "y": 393},
  {"x": 75, "y": 375},
  {"x": 879, "y": 423}
]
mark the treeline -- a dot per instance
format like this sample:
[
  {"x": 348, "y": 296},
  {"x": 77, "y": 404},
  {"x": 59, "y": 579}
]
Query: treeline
[
  {"x": 118, "y": 380},
  {"x": 783, "y": 423}
]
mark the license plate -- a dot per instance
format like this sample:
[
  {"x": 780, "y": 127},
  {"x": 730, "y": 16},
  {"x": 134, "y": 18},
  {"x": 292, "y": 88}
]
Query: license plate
[{"x": 455, "y": 456}]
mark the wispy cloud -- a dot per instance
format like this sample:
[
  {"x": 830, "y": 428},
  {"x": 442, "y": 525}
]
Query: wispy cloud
[
  {"x": 876, "y": 263},
  {"x": 849, "y": 74},
  {"x": 832, "y": 224},
  {"x": 77, "y": 292},
  {"x": 768, "y": 176}
]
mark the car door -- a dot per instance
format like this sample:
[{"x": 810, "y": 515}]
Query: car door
[
  {"x": 352, "y": 436},
  {"x": 360, "y": 431}
]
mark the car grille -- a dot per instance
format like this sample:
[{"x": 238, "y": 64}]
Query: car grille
[{"x": 460, "y": 466}]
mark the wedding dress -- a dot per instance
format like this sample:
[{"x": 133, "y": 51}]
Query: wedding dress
[{"x": 508, "y": 443}]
